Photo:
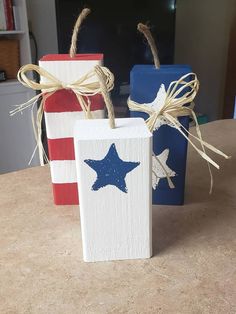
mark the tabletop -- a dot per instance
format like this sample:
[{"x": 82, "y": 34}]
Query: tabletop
[{"x": 193, "y": 268}]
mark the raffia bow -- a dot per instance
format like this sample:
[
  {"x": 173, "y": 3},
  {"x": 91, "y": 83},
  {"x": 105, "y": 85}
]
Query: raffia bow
[
  {"x": 98, "y": 80},
  {"x": 179, "y": 94},
  {"x": 82, "y": 87}
]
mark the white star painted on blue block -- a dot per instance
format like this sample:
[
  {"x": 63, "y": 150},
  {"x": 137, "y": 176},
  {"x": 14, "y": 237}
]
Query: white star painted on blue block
[
  {"x": 157, "y": 104},
  {"x": 157, "y": 170},
  {"x": 111, "y": 170}
]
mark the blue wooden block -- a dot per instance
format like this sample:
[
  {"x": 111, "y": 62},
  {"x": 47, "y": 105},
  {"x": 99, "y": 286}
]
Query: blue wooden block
[{"x": 145, "y": 81}]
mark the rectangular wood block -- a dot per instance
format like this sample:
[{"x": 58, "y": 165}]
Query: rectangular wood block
[
  {"x": 61, "y": 110},
  {"x": 168, "y": 143},
  {"x": 114, "y": 171}
]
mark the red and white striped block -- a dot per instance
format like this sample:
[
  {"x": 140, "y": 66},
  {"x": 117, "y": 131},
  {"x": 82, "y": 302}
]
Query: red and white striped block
[{"x": 61, "y": 111}]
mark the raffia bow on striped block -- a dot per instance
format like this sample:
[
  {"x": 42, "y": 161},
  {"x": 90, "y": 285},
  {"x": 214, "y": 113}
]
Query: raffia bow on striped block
[
  {"x": 99, "y": 80},
  {"x": 178, "y": 95}
]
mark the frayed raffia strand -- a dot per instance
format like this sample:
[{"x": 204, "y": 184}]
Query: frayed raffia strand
[
  {"x": 173, "y": 108},
  {"x": 38, "y": 133},
  {"x": 73, "y": 47},
  {"x": 144, "y": 29},
  {"x": 102, "y": 83}
]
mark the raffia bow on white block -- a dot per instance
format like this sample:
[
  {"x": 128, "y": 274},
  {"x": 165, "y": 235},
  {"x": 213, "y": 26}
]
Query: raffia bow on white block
[
  {"x": 166, "y": 109},
  {"x": 97, "y": 81}
]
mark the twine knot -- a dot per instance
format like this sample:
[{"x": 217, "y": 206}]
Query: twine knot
[{"x": 65, "y": 86}]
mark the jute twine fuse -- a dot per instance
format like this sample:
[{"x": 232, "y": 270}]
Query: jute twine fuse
[
  {"x": 141, "y": 27},
  {"x": 144, "y": 29},
  {"x": 73, "y": 47},
  {"x": 102, "y": 78}
]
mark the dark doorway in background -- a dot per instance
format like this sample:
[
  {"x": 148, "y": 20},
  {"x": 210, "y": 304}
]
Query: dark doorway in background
[{"x": 111, "y": 28}]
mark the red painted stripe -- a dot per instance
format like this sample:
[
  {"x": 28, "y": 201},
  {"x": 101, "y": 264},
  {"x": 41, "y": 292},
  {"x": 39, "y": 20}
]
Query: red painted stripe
[
  {"x": 65, "y": 194},
  {"x": 61, "y": 149},
  {"x": 65, "y": 100},
  {"x": 66, "y": 57}
]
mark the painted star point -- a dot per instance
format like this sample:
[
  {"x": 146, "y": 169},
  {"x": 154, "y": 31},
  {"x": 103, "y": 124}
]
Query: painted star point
[{"x": 111, "y": 170}]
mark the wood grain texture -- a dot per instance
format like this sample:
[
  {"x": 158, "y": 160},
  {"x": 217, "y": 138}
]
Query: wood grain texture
[
  {"x": 69, "y": 71},
  {"x": 115, "y": 224}
]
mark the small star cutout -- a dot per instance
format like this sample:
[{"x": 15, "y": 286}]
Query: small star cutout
[
  {"x": 157, "y": 171},
  {"x": 111, "y": 170}
]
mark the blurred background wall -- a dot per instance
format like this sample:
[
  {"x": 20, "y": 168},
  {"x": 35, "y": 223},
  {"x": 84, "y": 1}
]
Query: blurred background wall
[
  {"x": 202, "y": 37},
  {"x": 42, "y": 22}
]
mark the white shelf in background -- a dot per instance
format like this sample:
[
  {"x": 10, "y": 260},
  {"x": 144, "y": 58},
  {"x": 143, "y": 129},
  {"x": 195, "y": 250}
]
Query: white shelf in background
[
  {"x": 9, "y": 83},
  {"x": 14, "y": 32},
  {"x": 17, "y": 140}
]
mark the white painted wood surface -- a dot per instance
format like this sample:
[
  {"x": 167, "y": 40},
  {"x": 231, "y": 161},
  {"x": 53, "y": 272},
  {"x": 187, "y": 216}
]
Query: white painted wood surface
[
  {"x": 115, "y": 225},
  {"x": 69, "y": 71},
  {"x": 61, "y": 124},
  {"x": 63, "y": 171}
]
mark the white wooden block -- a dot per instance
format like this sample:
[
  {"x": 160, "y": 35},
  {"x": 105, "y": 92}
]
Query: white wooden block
[
  {"x": 114, "y": 167},
  {"x": 69, "y": 71}
]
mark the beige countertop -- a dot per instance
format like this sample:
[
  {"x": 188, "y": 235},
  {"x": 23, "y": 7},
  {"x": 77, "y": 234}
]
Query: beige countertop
[{"x": 193, "y": 269}]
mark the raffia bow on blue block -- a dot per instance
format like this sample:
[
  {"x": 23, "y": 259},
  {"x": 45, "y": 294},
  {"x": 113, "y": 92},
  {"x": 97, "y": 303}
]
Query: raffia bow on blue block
[{"x": 167, "y": 109}]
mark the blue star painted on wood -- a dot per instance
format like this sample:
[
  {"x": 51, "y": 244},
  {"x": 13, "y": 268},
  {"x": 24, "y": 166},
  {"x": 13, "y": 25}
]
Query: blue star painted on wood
[{"x": 111, "y": 170}]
